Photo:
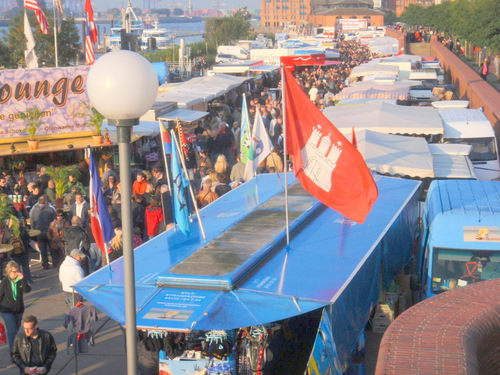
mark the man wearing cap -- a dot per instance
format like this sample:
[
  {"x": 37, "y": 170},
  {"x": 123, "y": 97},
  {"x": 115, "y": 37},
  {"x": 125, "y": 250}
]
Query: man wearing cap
[{"x": 70, "y": 273}]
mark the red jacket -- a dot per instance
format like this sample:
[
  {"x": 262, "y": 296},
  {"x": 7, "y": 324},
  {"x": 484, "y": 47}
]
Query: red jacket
[{"x": 153, "y": 218}]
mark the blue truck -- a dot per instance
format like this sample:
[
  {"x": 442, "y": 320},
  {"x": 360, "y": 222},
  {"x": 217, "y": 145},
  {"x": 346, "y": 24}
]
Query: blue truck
[{"x": 460, "y": 240}]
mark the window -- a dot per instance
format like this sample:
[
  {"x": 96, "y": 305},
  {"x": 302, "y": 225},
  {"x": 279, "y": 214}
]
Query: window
[{"x": 483, "y": 149}]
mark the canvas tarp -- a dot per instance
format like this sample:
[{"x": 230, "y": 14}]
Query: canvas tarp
[
  {"x": 395, "y": 154},
  {"x": 384, "y": 117}
]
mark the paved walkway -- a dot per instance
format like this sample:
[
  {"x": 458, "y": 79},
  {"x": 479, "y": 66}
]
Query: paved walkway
[{"x": 46, "y": 302}]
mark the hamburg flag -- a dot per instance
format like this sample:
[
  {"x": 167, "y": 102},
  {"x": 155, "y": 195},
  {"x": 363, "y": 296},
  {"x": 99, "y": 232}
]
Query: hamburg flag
[
  {"x": 165, "y": 138},
  {"x": 326, "y": 163},
  {"x": 181, "y": 214},
  {"x": 100, "y": 221}
]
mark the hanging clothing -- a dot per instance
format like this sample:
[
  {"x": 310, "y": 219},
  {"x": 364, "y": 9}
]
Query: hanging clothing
[{"x": 80, "y": 318}]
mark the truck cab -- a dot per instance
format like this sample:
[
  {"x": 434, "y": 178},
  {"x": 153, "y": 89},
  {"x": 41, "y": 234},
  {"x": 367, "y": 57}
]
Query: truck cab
[{"x": 460, "y": 239}]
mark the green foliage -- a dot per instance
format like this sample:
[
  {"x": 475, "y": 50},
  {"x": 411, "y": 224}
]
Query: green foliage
[
  {"x": 6, "y": 60},
  {"x": 32, "y": 120},
  {"x": 67, "y": 41},
  {"x": 7, "y": 217},
  {"x": 60, "y": 176},
  {"x": 476, "y": 21},
  {"x": 177, "y": 12},
  {"x": 390, "y": 18},
  {"x": 227, "y": 30},
  {"x": 95, "y": 118},
  {"x": 164, "y": 11}
]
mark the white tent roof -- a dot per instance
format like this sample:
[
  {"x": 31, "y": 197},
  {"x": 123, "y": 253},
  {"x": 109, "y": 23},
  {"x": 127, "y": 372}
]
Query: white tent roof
[
  {"x": 200, "y": 90},
  {"x": 383, "y": 45},
  {"x": 370, "y": 69},
  {"x": 373, "y": 90},
  {"x": 450, "y": 104},
  {"x": 466, "y": 123},
  {"x": 386, "y": 118},
  {"x": 395, "y": 154},
  {"x": 452, "y": 161}
]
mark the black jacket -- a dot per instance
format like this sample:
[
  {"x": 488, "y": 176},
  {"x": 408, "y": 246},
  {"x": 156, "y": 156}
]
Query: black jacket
[
  {"x": 7, "y": 302},
  {"x": 73, "y": 237},
  {"x": 21, "y": 350}
]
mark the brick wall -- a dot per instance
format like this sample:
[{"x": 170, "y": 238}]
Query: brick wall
[{"x": 399, "y": 36}]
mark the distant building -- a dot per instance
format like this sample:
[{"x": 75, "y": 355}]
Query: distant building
[{"x": 295, "y": 13}]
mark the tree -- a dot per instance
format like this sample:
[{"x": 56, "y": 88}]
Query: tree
[
  {"x": 67, "y": 41},
  {"x": 226, "y": 30},
  {"x": 390, "y": 18},
  {"x": 164, "y": 11},
  {"x": 5, "y": 56},
  {"x": 177, "y": 12}
]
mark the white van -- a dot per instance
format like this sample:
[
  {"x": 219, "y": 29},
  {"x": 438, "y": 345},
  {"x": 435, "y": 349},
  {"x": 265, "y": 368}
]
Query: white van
[
  {"x": 239, "y": 52},
  {"x": 472, "y": 127}
]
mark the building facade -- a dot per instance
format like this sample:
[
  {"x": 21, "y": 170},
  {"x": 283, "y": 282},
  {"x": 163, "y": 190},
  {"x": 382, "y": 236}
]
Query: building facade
[{"x": 291, "y": 14}]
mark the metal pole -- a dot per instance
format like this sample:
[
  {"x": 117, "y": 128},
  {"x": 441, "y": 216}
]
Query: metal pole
[
  {"x": 283, "y": 105},
  {"x": 55, "y": 36},
  {"x": 124, "y": 130}
]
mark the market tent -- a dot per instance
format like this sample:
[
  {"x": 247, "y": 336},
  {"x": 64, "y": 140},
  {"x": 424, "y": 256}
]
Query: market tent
[
  {"x": 385, "y": 45},
  {"x": 384, "y": 117},
  {"x": 368, "y": 70},
  {"x": 370, "y": 90},
  {"x": 330, "y": 259},
  {"x": 200, "y": 89},
  {"x": 395, "y": 154},
  {"x": 452, "y": 161},
  {"x": 185, "y": 115}
]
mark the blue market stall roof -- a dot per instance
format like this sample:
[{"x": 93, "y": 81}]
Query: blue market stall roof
[{"x": 244, "y": 274}]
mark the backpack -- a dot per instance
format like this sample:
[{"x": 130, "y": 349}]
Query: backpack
[{"x": 17, "y": 244}]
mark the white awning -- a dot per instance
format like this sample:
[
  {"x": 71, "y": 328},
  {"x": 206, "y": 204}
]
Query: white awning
[
  {"x": 185, "y": 115},
  {"x": 264, "y": 68}
]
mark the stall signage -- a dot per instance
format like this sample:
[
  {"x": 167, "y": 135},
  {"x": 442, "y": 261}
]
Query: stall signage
[{"x": 59, "y": 93}]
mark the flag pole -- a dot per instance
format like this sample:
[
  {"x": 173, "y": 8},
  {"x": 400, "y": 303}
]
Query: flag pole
[
  {"x": 176, "y": 145},
  {"x": 283, "y": 101},
  {"x": 160, "y": 125},
  {"x": 55, "y": 37}
]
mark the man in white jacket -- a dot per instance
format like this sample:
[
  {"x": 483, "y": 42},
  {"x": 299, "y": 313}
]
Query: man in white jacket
[{"x": 70, "y": 273}]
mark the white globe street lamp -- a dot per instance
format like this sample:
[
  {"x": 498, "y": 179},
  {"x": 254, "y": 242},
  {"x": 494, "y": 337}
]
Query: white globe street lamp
[{"x": 122, "y": 86}]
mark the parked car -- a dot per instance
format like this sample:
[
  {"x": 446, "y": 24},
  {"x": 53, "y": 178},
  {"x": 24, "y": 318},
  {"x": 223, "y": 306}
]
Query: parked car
[{"x": 222, "y": 57}]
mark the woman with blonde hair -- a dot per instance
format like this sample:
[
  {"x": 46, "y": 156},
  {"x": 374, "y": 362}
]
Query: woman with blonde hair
[
  {"x": 12, "y": 288},
  {"x": 214, "y": 177},
  {"x": 221, "y": 165},
  {"x": 116, "y": 245}
]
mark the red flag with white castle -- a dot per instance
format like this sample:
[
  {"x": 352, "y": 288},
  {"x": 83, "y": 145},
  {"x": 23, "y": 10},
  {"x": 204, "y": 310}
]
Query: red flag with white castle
[{"x": 326, "y": 163}]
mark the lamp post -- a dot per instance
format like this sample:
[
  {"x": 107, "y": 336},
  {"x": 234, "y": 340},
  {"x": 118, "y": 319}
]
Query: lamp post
[{"x": 122, "y": 85}]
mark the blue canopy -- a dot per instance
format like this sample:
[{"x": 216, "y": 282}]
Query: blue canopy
[{"x": 330, "y": 258}]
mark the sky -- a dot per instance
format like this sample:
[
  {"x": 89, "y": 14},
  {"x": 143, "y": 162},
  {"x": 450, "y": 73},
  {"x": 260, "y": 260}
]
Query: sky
[{"x": 197, "y": 4}]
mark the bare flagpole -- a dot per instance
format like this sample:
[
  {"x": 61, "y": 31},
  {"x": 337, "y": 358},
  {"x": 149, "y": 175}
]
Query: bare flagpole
[
  {"x": 176, "y": 145},
  {"x": 55, "y": 35},
  {"x": 283, "y": 104}
]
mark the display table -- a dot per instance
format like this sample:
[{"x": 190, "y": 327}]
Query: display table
[
  {"x": 6, "y": 248},
  {"x": 33, "y": 232}
]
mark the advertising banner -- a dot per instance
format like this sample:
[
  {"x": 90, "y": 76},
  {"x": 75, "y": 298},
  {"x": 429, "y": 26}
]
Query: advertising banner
[
  {"x": 347, "y": 25},
  {"x": 59, "y": 93}
]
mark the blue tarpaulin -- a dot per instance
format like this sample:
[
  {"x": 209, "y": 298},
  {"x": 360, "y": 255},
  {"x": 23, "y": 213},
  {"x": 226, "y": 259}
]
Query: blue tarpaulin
[{"x": 330, "y": 260}]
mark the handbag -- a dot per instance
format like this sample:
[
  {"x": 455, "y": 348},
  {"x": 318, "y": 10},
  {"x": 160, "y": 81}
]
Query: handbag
[{"x": 3, "y": 338}]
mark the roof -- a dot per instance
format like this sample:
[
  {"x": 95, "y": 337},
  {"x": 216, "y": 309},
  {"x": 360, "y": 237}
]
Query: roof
[
  {"x": 452, "y": 205},
  {"x": 466, "y": 123},
  {"x": 395, "y": 154},
  {"x": 350, "y": 12},
  {"x": 329, "y": 252},
  {"x": 385, "y": 117},
  {"x": 461, "y": 326}
]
